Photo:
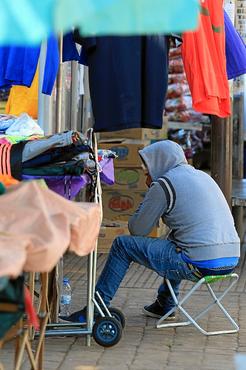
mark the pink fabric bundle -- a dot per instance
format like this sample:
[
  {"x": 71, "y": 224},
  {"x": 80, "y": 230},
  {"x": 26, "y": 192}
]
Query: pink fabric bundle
[{"x": 37, "y": 226}]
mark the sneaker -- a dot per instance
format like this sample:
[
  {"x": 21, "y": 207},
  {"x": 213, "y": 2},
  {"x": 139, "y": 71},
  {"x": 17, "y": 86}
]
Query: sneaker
[
  {"x": 156, "y": 311},
  {"x": 78, "y": 316}
]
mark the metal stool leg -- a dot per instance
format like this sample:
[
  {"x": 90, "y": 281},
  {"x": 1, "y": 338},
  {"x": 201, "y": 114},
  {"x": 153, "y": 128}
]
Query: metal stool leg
[{"x": 216, "y": 300}]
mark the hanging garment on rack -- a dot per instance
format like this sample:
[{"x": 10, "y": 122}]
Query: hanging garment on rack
[
  {"x": 204, "y": 59},
  {"x": 235, "y": 50},
  {"x": 128, "y": 80},
  {"x": 69, "y": 50},
  {"x": 51, "y": 65},
  {"x": 18, "y": 65},
  {"x": 24, "y": 99}
]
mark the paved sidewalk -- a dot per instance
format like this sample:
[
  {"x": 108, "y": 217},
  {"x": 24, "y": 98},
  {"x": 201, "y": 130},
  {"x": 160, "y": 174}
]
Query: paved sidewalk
[{"x": 142, "y": 346}]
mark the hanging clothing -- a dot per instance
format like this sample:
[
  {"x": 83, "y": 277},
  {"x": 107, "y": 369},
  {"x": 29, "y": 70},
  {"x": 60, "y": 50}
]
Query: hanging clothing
[
  {"x": 204, "y": 59},
  {"x": 128, "y": 80},
  {"x": 24, "y": 99},
  {"x": 69, "y": 50},
  {"x": 18, "y": 65},
  {"x": 235, "y": 50}
]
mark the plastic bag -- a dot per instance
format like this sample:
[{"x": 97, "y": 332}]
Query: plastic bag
[
  {"x": 176, "y": 66},
  {"x": 177, "y": 90},
  {"x": 187, "y": 116},
  {"x": 175, "y": 52},
  {"x": 183, "y": 116},
  {"x": 177, "y": 78},
  {"x": 24, "y": 126},
  {"x": 179, "y": 104}
]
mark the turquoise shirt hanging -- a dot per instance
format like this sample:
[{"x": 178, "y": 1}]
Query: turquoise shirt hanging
[
  {"x": 26, "y": 22},
  {"x": 115, "y": 17}
]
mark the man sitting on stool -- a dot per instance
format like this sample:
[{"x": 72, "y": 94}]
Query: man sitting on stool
[{"x": 203, "y": 240}]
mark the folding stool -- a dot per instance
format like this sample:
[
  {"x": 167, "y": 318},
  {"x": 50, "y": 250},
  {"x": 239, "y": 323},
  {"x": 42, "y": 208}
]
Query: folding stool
[{"x": 207, "y": 280}]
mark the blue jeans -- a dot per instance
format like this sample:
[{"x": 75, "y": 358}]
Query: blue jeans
[{"x": 158, "y": 255}]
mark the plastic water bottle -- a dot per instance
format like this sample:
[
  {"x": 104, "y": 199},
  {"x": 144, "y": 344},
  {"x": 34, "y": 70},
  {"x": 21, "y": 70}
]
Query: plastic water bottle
[{"x": 66, "y": 298}]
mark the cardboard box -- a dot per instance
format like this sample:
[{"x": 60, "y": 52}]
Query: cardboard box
[
  {"x": 127, "y": 151},
  {"x": 120, "y": 205},
  {"x": 108, "y": 232},
  {"x": 128, "y": 178},
  {"x": 139, "y": 133},
  {"x": 161, "y": 231},
  {"x": 111, "y": 230}
]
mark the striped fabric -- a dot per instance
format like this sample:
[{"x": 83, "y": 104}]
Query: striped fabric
[
  {"x": 169, "y": 192},
  {"x": 5, "y": 168}
]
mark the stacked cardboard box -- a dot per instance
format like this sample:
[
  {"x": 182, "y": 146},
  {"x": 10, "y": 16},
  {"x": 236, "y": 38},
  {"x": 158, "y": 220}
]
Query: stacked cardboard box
[
  {"x": 122, "y": 199},
  {"x": 111, "y": 230}
]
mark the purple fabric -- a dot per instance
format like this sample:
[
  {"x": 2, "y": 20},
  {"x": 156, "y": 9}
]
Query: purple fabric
[
  {"x": 60, "y": 184},
  {"x": 107, "y": 174},
  {"x": 235, "y": 50},
  {"x": 69, "y": 186}
]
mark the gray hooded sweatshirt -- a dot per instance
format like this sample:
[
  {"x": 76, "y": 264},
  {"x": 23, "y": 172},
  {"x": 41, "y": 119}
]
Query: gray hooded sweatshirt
[{"x": 190, "y": 203}]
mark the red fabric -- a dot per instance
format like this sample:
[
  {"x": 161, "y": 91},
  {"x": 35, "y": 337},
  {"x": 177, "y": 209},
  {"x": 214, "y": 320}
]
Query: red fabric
[
  {"x": 30, "y": 311},
  {"x": 204, "y": 59}
]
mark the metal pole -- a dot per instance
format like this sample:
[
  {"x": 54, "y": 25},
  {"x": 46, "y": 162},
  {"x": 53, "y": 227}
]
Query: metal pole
[
  {"x": 238, "y": 156},
  {"x": 59, "y": 90},
  {"x": 221, "y": 154},
  {"x": 74, "y": 96}
]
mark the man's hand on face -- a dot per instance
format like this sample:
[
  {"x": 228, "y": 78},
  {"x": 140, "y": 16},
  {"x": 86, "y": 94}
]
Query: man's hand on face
[{"x": 148, "y": 180}]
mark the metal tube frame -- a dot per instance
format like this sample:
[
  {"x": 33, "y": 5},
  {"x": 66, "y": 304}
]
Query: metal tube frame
[
  {"x": 216, "y": 300},
  {"x": 79, "y": 329}
]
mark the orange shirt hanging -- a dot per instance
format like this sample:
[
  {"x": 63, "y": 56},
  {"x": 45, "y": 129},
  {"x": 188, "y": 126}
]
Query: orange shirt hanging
[{"x": 204, "y": 59}]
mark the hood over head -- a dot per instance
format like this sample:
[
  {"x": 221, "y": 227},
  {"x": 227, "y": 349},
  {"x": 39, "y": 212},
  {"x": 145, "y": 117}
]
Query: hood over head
[{"x": 161, "y": 157}]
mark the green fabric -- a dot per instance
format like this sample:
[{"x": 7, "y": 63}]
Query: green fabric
[
  {"x": 11, "y": 291},
  {"x": 214, "y": 279},
  {"x": 107, "y": 17},
  {"x": 14, "y": 139},
  {"x": 2, "y": 188},
  {"x": 75, "y": 168}
]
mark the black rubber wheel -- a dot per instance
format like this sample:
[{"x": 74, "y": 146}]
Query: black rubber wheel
[
  {"x": 118, "y": 315},
  {"x": 107, "y": 331}
]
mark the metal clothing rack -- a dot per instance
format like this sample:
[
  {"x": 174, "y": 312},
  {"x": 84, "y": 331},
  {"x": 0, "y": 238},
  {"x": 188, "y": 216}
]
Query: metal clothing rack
[
  {"x": 58, "y": 329},
  {"x": 107, "y": 328}
]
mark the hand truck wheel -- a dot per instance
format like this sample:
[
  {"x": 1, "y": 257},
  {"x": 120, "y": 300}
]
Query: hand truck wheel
[
  {"x": 118, "y": 315},
  {"x": 107, "y": 331}
]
